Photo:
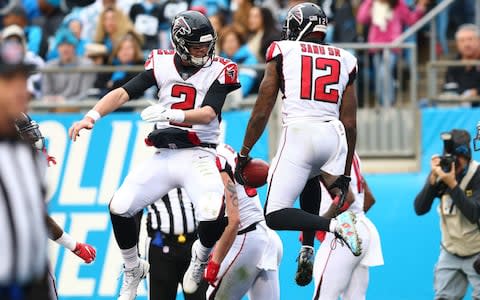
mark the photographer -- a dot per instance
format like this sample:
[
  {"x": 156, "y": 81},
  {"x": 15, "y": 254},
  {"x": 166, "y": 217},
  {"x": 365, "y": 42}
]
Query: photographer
[{"x": 455, "y": 179}]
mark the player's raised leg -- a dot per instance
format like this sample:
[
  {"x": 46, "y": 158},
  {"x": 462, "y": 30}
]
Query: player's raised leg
[{"x": 140, "y": 188}]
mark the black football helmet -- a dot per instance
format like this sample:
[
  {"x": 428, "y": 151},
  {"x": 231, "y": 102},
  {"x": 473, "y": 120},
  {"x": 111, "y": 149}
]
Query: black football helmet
[
  {"x": 30, "y": 132},
  {"x": 302, "y": 19},
  {"x": 191, "y": 28}
]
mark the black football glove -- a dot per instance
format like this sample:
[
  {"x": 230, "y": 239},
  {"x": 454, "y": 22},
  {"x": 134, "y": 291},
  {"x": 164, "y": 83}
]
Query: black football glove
[
  {"x": 242, "y": 161},
  {"x": 342, "y": 183}
]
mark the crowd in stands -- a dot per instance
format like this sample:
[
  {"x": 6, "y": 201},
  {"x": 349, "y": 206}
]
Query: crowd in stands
[{"x": 122, "y": 32}]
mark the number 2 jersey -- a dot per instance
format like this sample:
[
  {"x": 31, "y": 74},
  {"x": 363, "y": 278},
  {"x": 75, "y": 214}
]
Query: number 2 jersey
[
  {"x": 203, "y": 86},
  {"x": 313, "y": 78}
]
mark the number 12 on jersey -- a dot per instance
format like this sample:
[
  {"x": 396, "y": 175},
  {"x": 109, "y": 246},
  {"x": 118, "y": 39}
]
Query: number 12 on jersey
[{"x": 318, "y": 85}]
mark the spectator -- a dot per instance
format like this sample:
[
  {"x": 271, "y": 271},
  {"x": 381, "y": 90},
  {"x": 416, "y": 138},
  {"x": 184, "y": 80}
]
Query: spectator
[
  {"x": 233, "y": 46},
  {"x": 98, "y": 54},
  {"x": 36, "y": 39},
  {"x": 14, "y": 32},
  {"x": 386, "y": 20},
  {"x": 147, "y": 16},
  {"x": 127, "y": 53},
  {"x": 112, "y": 25},
  {"x": 241, "y": 14},
  {"x": 169, "y": 9},
  {"x": 343, "y": 23},
  {"x": 67, "y": 86},
  {"x": 263, "y": 31},
  {"x": 89, "y": 15},
  {"x": 51, "y": 16},
  {"x": 75, "y": 27},
  {"x": 465, "y": 81},
  {"x": 218, "y": 22}
]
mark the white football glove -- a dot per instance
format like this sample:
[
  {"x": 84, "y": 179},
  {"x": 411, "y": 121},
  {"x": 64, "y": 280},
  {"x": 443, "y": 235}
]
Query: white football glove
[{"x": 158, "y": 113}]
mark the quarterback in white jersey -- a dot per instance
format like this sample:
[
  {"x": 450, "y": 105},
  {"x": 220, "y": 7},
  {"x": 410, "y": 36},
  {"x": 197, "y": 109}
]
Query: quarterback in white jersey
[
  {"x": 319, "y": 122},
  {"x": 251, "y": 264},
  {"x": 193, "y": 85},
  {"x": 337, "y": 273}
]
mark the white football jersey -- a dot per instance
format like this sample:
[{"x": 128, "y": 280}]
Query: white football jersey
[
  {"x": 249, "y": 207},
  {"x": 314, "y": 77},
  {"x": 358, "y": 190},
  {"x": 189, "y": 93}
]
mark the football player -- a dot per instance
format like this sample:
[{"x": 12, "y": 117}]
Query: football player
[
  {"x": 336, "y": 271},
  {"x": 192, "y": 84},
  {"x": 251, "y": 264},
  {"x": 319, "y": 122}
]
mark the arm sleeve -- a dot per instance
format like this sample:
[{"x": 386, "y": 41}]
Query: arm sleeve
[
  {"x": 468, "y": 205},
  {"x": 424, "y": 200},
  {"x": 138, "y": 84},
  {"x": 216, "y": 95}
]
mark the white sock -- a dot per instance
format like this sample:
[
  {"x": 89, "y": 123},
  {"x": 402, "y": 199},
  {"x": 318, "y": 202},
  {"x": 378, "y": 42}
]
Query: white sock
[
  {"x": 202, "y": 252},
  {"x": 67, "y": 241},
  {"x": 130, "y": 257},
  {"x": 333, "y": 225}
]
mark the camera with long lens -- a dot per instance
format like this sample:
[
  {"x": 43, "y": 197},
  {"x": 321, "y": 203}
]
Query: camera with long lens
[{"x": 448, "y": 156}]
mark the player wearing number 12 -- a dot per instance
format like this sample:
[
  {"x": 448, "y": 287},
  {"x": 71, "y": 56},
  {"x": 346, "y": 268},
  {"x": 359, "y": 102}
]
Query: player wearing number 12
[
  {"x": 193, "y": 84},
  {"x": 319, "y": 122}
]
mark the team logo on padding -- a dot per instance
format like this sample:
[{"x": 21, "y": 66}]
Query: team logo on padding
[{"x": 231, "y": 74}]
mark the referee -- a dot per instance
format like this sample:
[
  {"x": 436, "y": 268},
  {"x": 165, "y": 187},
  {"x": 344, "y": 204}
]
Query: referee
[
  {"x": 172, "y": 229},
  {"x": 23, "y": 233}
]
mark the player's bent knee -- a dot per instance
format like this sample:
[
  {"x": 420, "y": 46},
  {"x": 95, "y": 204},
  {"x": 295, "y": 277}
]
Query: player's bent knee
[
  {"x": 121, "y": 208},
  {"x": 210, "y": 206}
]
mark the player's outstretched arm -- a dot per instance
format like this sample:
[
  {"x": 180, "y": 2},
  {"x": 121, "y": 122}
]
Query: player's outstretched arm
[
  {"x": 267, "y": 95},
  {"x": 106, "y": 105},
  {"x": 56, "y": 234},
  {"x": 225, "y": 242}
]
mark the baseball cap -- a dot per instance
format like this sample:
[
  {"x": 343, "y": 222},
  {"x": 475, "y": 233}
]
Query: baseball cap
[
  {"x": 64, "y": 35},
  {"x": 14, "y": 30},
  {"x": 12, "y": 59},
  {"x": 94, "y": 49}
]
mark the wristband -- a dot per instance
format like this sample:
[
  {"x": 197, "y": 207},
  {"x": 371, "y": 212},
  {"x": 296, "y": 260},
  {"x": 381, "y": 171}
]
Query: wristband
[
  {"x": 95, "y": 115},
  {"x": 67, "y": 241},
  {"x": 176, "y": 115}
]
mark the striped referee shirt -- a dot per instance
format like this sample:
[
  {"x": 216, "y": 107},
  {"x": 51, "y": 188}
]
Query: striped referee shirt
[
  {"x": 23, "y": 232},
  {"x": 173, "y": 214}
]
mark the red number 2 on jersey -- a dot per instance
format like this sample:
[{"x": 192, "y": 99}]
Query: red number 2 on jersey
[
  {"x": 321, "y": 82},
  {"x": 189, "y": 93}
]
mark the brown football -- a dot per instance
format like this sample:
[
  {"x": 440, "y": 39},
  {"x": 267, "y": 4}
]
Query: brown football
[{"x": 255, "y": 173}]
